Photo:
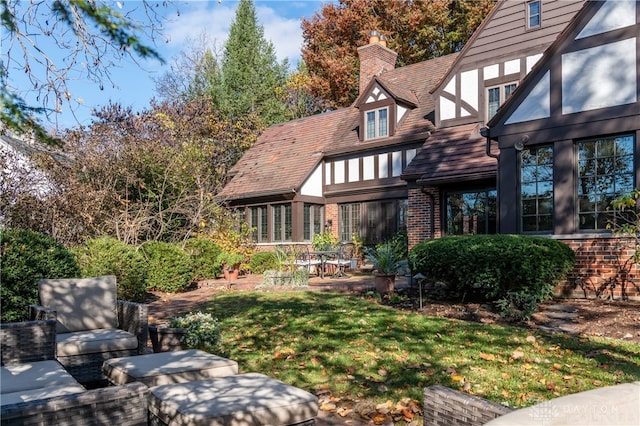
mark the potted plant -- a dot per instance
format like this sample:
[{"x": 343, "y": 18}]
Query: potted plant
[
  {"x": 230, "y": 264},
  {"x": 195, "y": 330},
  {"x": 385, "y": 266}
]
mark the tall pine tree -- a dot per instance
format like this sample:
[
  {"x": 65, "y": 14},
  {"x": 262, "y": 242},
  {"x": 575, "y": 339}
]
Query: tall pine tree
[{"x": 251, "y": 74}]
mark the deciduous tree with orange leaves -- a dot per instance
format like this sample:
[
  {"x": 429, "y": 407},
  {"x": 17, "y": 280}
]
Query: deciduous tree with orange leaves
[{"x": 418, "y": 30}]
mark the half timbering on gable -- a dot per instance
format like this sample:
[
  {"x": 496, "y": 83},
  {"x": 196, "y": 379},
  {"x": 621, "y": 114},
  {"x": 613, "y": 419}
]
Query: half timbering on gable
[{"x": 568, "y": 142}]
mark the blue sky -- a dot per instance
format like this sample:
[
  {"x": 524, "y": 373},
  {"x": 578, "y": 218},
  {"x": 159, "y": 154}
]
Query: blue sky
[{"x": 134, "y": 85}]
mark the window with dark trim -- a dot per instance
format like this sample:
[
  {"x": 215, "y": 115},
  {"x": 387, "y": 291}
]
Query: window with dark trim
[
  {"x": 536, "y": 189},
  {"x": 377, "y": 123},
  {"x": 349, "y": 223},
  {"x": 471, "y": 212},
  {"x": 534, "y": 14},
  {"x": 258, "y": 221},
  {"x": 312, "y": 221},
  {"x": 496, "y": 96},
  {"x": 605, "y": 171},
  {"x": 281, "y": 215}
]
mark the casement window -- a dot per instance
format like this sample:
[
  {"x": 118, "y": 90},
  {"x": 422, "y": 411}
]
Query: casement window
[
  {"x": 281, "y": 216},
  {"x": 349, "y": 224},
  {"x": 312, "y": 221},
  {"x": 471, "y": 212},
  {"x": 377, "y": 123},
  {"x": 258, "y": 221},
  {"x": 536, "y": 189},
  {"x": 496, "y": 97},
  {"x": 605, "y": 172},
  {"x": 373, "y": 222},
  {"x": 534, "y": 14}
]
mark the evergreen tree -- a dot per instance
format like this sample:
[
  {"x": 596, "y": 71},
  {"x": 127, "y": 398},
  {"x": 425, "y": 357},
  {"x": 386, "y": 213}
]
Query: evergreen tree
[{"x": 251, "y": 74}]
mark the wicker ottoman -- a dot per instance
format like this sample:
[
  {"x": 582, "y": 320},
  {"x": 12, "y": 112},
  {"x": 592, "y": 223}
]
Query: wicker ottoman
[
  {"x": 165, "y": 368},
  {"x": 241, "y": 400}
]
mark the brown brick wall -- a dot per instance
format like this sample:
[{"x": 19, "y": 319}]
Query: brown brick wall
[
  {"x": 604, "y": 269},
  {"x": 424, "y": 206}
]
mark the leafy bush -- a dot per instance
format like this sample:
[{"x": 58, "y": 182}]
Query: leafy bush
[
  {"x": 109, "y": 256},
  {"x": 27, "y": 257},
  {"x": 204, "y": 257},
  {"x": 169, "y": 267},
  {"x": 262, "y": 261},
  {"x": 495, "y": 265},
  {"x": 203, "y": 331},
  {"x": 324, "y": 241}
]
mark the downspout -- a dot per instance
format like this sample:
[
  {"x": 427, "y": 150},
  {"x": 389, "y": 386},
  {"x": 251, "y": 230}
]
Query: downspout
[{"x": 486, "y": 132}]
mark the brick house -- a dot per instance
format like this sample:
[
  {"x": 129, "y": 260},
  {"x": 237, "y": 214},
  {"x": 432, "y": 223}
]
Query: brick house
[{"x": 531, "y": 128}]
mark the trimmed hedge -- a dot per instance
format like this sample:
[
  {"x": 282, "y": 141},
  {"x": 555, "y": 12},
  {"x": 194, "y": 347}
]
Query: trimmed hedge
[
  {"x": 169, "y": 268},
  {"x": 204, "y": 257},
  {"x": 27, "y": 257},
  {"x": 263, "y": 261},
  {"x": 109, "y": 256},
  {"x": 509, "y": 269}
]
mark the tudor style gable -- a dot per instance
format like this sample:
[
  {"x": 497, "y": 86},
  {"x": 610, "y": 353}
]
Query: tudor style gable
[
  {"x": 497, "y": 57},
  {"x": 568, "y": 137}
]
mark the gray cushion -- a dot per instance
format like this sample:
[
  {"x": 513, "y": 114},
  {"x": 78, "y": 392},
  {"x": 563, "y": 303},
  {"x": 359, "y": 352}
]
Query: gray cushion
[
  {"x": 168, "y": 367},
  {"x": 241, "y": 400},
  {"x": 37, "y": 394},
  {"x": 94, "y": 341},
  {"x": 81, "y": 303},
  {"x": 35, "y": 375},
  {"x": 612, "y": 405}
]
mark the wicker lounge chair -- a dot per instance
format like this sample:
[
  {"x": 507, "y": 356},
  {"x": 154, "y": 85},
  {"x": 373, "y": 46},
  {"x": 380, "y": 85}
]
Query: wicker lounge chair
[
  {"x": 30, "y": 345},
  {"x": 91, "y": 324},
  {"x": 448, "y": 407}
]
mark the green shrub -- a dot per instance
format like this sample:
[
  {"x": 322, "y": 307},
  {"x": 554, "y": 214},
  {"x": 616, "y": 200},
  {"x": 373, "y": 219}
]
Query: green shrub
[
  {"x": 27, "y": 257},
  {"x": 109, "y": 256},
  {"x": 262, "y": 261},
  {"x": 495, "y": 265},
  {"x": 204, "y": 257},
  {"x": 203, "y": 331},
  {"x": 169, "y": 267}
]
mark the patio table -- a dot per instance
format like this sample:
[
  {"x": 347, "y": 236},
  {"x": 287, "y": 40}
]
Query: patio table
[{"x": 324, "y": 255}]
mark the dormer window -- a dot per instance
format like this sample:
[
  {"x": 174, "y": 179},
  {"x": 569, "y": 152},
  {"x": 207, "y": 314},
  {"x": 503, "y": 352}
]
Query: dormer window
[
  {"x": 534, "y": 14},
  {"x": 496, "y": 97},
  {"x": 377, "y": 123}
]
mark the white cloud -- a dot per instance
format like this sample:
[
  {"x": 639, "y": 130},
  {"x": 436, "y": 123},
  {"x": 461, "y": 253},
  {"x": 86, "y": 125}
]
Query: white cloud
[{"x": 214, "y": 20}]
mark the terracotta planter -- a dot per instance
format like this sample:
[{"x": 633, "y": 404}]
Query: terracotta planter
[
  {"x": 231, "y": 274},
  {"x": 385, "y": 283},
  {"x": 166, "y": 339}
]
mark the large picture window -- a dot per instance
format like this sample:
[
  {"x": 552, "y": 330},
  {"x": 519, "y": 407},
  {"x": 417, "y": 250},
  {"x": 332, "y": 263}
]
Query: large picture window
[
  {"x": 536, "y": 189},
  {"x": 605, "y": 171},
  {"x": 471, "y": 213},
  {"x": 377, "y": 123},
  {"x": 313, "y": 220},
  {"x": 281, "y": 222}
]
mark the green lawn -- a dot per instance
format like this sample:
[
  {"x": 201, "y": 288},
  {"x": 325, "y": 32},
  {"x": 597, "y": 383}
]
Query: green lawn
[{"x": 359, "y": 350}]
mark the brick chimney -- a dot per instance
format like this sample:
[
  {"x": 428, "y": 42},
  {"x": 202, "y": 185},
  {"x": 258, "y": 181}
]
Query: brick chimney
[{"x": 375, "y": 58}]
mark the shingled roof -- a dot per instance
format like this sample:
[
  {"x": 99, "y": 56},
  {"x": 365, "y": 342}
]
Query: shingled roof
[
  {"x": 453, "y": 154},
  {"x": 286, "y": 154}
]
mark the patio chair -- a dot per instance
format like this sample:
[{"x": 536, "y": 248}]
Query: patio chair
[
  {"x": 91, "y": 324},
  {"x": 304, "y": 259},
  {"x": 343, "y": 261}
]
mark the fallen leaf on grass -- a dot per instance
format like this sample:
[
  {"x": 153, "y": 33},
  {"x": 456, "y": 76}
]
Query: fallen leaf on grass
[{"x": 487, "y": 357}]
